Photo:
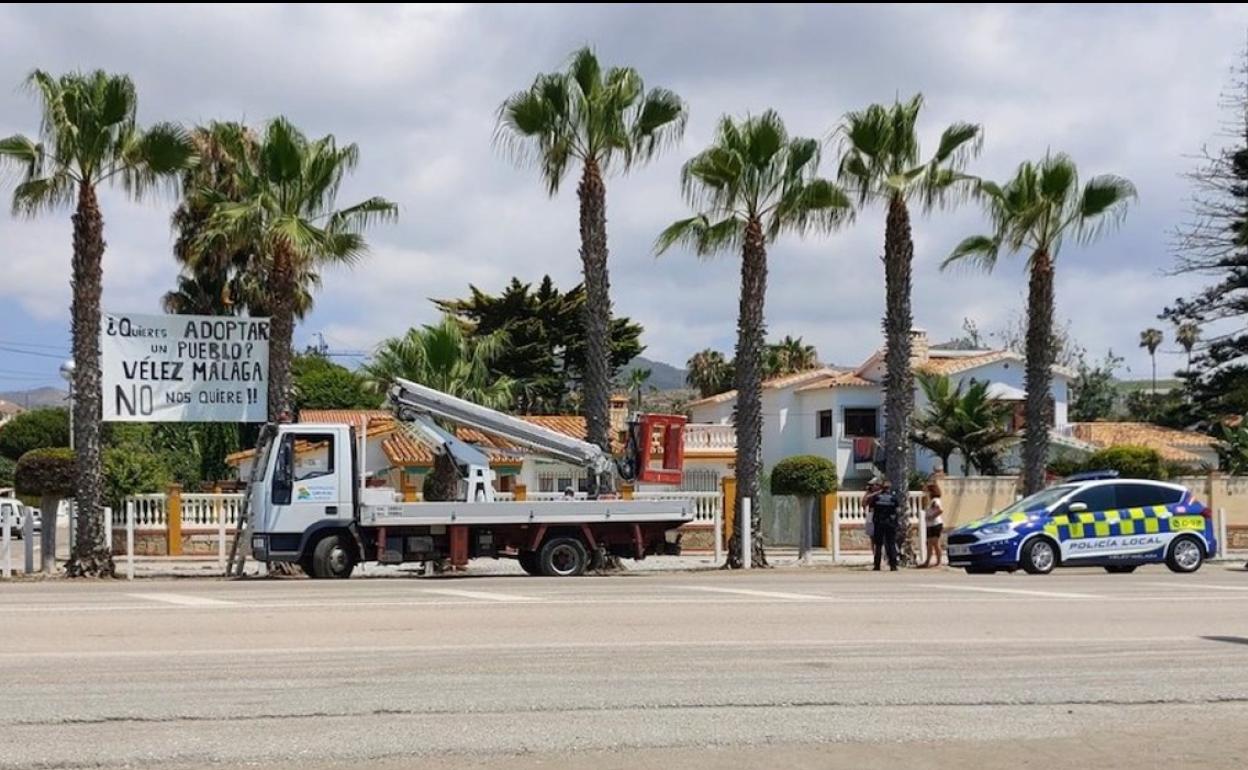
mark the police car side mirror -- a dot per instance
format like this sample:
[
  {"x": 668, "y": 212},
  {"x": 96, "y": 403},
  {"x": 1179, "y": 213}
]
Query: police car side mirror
[{"x": 1077, "y": 508}]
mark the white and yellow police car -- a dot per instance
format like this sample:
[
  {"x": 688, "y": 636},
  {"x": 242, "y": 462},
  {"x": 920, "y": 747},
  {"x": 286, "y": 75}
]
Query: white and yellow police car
[{"x": 1094, "y": 520}]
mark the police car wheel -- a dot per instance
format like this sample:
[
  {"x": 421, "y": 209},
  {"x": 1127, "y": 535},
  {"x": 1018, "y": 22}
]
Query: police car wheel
[
  {"x": 1039, "y": 556},
  {"x": 1120, "y": 569},
  {"x": 1185, "y": 555}
]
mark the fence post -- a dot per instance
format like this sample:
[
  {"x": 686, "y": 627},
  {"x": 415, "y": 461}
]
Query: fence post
[
  {"x": 28, "y": 541},
  {"x": 921, "y": 523},
  {"x": 521, "y": 493},
  {"x": 719, "y": 531},
  {"x": 729, "y": 486},
  {"x": 108, "y": 529},
  {"x": 6, "y": 529},
  {"x": 747, "y": 526},
  {"x": 836, "y": 529},
  {"x": 1224, "y": 548},
  {"x": 129, "y": 540},
  {"x": 626, "y": 491},
  {"x": 173, "y": 521},
  {"x": 219, "y": 507}
]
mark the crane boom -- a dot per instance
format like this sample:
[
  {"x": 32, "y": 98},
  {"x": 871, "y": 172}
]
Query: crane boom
[{"x": 411, "y": 400}]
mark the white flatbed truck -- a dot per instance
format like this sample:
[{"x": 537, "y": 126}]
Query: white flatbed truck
[{"x": 306, "y": 503}]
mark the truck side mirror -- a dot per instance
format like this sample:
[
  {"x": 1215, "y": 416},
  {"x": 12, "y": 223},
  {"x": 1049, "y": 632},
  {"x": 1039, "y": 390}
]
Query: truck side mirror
[{"x": 283, "y": 472}]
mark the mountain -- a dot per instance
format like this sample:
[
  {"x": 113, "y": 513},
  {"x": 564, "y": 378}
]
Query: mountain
[
  {"x": 36, "y": 397},
  {"x": 662, "y": 376}
]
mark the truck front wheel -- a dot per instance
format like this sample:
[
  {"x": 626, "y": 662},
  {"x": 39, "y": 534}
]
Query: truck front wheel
[
  {"x": 563, "y": 557},
  {"x": 333, "y": 557}
]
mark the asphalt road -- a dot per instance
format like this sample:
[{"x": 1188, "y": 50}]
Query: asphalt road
[{"x": 820, "y": 668}]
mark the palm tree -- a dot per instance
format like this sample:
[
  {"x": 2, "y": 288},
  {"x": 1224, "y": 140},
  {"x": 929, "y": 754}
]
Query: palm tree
[
  {"x": 1187, "y": 335},
  {"x": 753, "y": 184},
  {"x": 89, "y": 138},
  {"x": 444, "y": 357},
  {"x": 961, "y": 419},
  {"x": 283, "y": 214},
  {"x": 1034, "y": 212},
  {"x": 636, "y": 384},
  {"x": 881, "y": 163},
  {"x": 595, "y": 118},
  {"x": 790, "y": 355},
  {"x": 222, "y": 278},
  {"x": 708, "y": 372},
  {"x": 1152, "y": 339}
]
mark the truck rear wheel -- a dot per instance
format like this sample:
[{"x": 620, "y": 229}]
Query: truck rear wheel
[
  {"x": 333, "y": 557},
  {"x": 563, "y": 557},
  {"x": 528, "y": 562}
]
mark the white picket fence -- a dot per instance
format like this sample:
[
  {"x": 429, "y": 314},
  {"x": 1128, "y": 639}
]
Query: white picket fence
[
  {"x": 199, "y": 511},
  {"x": 850, "y": 510}
]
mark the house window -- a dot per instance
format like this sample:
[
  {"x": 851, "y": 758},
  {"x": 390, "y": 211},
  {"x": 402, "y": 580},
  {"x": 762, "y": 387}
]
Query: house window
[
  {"x": 825, "y": 424},
  {"x": 861, "y": 423}
]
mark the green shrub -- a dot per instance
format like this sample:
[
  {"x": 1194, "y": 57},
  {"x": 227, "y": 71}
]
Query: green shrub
[
  {"x": 45, "y": 472},
  {"x": 7, "y": 467},
  {"x": 1065, "y": 466},
  {"x": 130, "y": 470},
  {"x": 1136, "y": 462},
  {"x": 804, "y": 476},
  {"x": 36, "y": 429}
]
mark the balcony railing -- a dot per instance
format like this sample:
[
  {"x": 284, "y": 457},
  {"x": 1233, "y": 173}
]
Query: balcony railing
[{"x": 709, "y": 437}]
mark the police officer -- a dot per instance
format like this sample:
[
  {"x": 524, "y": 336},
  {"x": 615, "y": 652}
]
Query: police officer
[{"x": 884, "y": 516}]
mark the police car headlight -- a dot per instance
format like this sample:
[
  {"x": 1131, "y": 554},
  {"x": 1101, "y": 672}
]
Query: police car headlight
[{"x": 993, "y": 530}]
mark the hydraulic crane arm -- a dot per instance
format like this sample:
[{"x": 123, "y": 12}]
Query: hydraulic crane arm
[{"x": 412, "y": 400}]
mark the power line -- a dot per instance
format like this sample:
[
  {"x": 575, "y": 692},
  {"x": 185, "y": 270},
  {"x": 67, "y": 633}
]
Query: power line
[
  {"x": 18, "y": 352},
  {"x": 36, "y": 345}
]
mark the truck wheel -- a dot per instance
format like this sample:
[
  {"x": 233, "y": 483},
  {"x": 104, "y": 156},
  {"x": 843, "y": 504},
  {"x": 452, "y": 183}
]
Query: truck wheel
[
  {"x": 563, "y": 557},
  {"x": 1039, "y": 556},
  {"x": 333, "y": 557},
  {"x": 528, "y": 562},
  {"x": 1185, "y": 555}
]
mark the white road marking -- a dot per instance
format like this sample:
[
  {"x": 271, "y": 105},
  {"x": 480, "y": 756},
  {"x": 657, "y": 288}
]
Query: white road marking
[
  {"x": 841, "y": 644},
  {"x": 1198, "y": 586},
  {"x": 1015, "y": 591},
  {"x": 763, "y": 594},
  {"x": 482, "y": 595},
  {"x": 183, "y": 600}
]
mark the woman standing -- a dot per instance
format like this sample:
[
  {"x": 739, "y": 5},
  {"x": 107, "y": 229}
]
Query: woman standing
[{"x": 933, "y": 520}]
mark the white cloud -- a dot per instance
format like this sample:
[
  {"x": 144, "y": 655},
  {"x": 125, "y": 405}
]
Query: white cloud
[{"x": 1128, "y": 90}]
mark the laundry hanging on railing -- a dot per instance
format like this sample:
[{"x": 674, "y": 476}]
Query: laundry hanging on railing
[{"x": 864, "y": 453}]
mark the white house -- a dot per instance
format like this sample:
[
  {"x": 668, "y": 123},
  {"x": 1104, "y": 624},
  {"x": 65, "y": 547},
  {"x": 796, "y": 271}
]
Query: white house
[
  {"x": 8, "y": 410},
  {"x": 838, "y": 414}
]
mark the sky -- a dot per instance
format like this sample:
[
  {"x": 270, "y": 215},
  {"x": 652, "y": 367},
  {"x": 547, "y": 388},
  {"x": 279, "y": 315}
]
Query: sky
[{"x": 1131, "y": 90}]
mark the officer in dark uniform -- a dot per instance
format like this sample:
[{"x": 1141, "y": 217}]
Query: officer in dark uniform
[{"x": 884, "y": 509}]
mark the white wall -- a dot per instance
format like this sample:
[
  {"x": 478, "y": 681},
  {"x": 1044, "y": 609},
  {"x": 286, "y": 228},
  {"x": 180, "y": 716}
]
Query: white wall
[{"x": 716, "y": 414}]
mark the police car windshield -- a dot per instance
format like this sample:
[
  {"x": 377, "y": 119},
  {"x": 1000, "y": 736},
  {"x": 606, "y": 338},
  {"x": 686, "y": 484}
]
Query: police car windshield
[{"x": 1041, "y": 500}]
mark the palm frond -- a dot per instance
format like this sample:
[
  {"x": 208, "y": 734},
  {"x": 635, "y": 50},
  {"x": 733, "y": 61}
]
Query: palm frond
[{"x": 979, "y": 250}]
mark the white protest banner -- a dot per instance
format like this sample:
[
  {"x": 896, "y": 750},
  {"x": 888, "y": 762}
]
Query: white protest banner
[{"x": 184, "y": 368}]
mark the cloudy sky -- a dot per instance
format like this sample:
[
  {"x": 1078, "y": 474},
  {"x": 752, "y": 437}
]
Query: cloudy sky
[{"x": 1131, "y": 90}]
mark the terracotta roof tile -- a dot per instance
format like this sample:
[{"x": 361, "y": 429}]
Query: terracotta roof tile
[
  {"x": 354, "y": 417},
  {"x": 843, "y": 380},
  {"x": 772, "y": 384},
  {"x": 402, "y": 449},
  {"x": 1171, "y": 444}
]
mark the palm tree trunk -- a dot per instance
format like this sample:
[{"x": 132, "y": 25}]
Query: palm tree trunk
[
  {"x": 91, "y": 556},
  {"x": 749, "y": 381},
  {"x": 1039, "y": 374},
  {"x": 597, "y": 384},
  {"x": 899, "y": 375},
  {"x": 1154, "y": 357},
  {"x": 281, "y": 336}
]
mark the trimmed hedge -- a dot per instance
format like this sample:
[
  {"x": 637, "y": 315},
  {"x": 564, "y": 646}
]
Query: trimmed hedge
[
  {"x": 45, "y": 472},
  {"x": 804, "y": 476},
  {"x": 1136, "y": 462},
  {"x": 36, "y": 429}
]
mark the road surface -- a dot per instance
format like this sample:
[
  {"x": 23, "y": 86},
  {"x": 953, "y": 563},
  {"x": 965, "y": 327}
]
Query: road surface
[{"x": 782, "y": 668}]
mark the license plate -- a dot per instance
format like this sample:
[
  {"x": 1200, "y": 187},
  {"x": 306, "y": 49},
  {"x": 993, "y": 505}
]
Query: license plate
[{"x": 959, "y": 550}]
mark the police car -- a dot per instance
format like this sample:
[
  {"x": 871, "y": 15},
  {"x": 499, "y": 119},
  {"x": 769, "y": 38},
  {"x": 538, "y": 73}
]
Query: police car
[{"x": 1093, "y": 520}]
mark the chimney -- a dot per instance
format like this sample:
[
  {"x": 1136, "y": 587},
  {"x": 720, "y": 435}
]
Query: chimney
[
  {"x": 918, "y": 347},
  {"x": 618, "y": 414}
]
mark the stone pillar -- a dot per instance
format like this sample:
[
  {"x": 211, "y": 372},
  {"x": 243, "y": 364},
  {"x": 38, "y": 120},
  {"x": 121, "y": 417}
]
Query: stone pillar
[{"x": 729, "y": 486}]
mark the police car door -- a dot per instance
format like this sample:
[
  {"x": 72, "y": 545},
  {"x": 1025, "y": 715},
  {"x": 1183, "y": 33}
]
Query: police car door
[
  {"x": 1146, "y": 522},
  {"x": 1081, "y": 523}
]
